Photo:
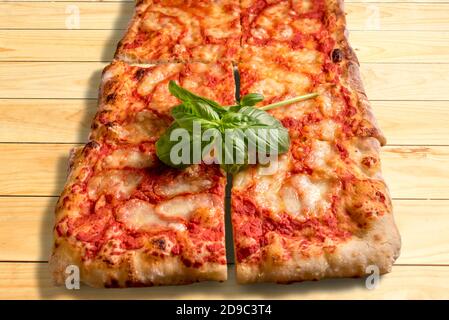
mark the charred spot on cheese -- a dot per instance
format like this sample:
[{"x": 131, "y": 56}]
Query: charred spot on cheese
[
  {"x": 139, "y": 74},
  {"x": 110, "y": 97},
  {"x": 160, "y": 243},
  {"x": 337, "y": 55},
  {"x": 92, "y": 145}
]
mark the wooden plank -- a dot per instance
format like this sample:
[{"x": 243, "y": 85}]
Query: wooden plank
[
  {"x": 403, "y": 122},
  {"x": 397, "y": 16},
  {"x": 423, "y": 225},
  {"x": 413, "y": 122},
  {"x": 99, "y": 45},
  {"x": 32, "y": 281},
  {"x": 26, "y": 228},
  {"x": 54, "y": 15},
  {"x": 27, "y": 223},
  {"x": 411, "y": 172},
  {"x": 30, "y": 169},
  {"x": 50, "y": 79},
  {"x": 406, "y": 81},
  {"x": 416, "y": 172},
  {"x": 116, "y": 15},
  {"x": 81, "y": 80},
  {"x": 44, "y": 120},
  {"x": 58, "y": 45},
  {"x": 401, "y": 46}
]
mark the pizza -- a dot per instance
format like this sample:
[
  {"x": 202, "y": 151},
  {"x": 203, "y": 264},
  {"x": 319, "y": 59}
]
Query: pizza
[
  {"x": 124, "y": 218},
  {"x": 315, "y": 31},
  {"x": 320, "y": 210},
  {"x": 182, "y": 31},
  {"x": 323, "y": 209}
]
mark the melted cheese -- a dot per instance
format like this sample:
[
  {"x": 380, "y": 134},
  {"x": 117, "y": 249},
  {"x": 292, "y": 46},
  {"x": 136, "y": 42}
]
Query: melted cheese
[
  {"x": 157, "y": 74},
  {"x": 122, "y": 158},
  {"x": 307, "y": 26},
  {"x": 138, "y": 214},
  {"x": 313, "y": 194},
  {"x": 328, "y": 128},
  {"x": 319, "y": 154},
  {"x": 243, "y": 179},
  {"x": 191, "y": 181},
  {"x": 119, "y": 184},
  {"x": 291, "y": 200},
  {"x": 269, "y": 181},
  {"x": 145, "y": 126},
  {"x": 268, "y": 87},
  {"x": 184, "y": 206}
]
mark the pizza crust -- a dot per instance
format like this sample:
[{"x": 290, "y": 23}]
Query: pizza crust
[
  {"x": 134, "y": 270},
  {"x": 379, "y": 247}
]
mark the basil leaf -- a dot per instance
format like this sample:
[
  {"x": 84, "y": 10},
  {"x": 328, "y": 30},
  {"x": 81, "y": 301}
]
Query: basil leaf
[
  {"x": 164, "y": 146},
  {"x": 187, "y": 96},
  {"x": 251, "y": 99},
  {"x": 235, "y": 120},
  {"x": 189, "y": 114},
  {"x": 268, "y": 139},
  {"x": 235, "y": 151},
  {"x": 240, "y": 130},
  {"x": 260, "y": 117}
]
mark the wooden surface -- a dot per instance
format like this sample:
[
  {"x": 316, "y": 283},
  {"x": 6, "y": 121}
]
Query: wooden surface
[{"x": 49, "y": 77}]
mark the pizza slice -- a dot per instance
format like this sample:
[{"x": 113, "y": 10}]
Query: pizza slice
[
  {"x": 182, "y": 31},
  {"x": 342, "y": 102},
  {"x": 311, "y": 30},
  {"x": 125, "y": 219},
  {"x": 322, "y": 210}
]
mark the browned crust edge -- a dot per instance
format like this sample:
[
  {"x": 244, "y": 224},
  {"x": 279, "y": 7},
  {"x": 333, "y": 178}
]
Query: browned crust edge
[{"x": 353, "y": 66}]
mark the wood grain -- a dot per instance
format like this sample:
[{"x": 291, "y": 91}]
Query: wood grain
[
  {"x": 413, "y": 122},
  {"x": 116, "y": 15},
  {"x": 30, "y": 169},
  {"x": 26, "y": 228},
  {"x": 58, "y": 45},
  {"x": 401, "y": 46},
  {"x": 397, "y": 16},
  {"x": 100, "y": 45},
  {"x": 50, "y": 79},
  {"x": 52, "y": 15},
  {"x": 416, "y": 172},
  {"x": 411, "y": 172},
  {"x": 26, "y": 225},
  {"x": 69, "y": 120},
  {"x": 32, "y": 281},
  {"x": 403, "y": 122},
  {"x": 81, "y": 80},
  {"x": 406, "y": 81}
]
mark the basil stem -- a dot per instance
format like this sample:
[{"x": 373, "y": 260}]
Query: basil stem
[{"x": 289, "y": 101}]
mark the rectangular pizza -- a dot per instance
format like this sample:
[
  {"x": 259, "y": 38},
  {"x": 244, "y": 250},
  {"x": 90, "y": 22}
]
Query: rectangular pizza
[
  {"x": 182, "y": 31},
  {"x": 123, "y": 218},
  {"x": 322, "y": 210}
]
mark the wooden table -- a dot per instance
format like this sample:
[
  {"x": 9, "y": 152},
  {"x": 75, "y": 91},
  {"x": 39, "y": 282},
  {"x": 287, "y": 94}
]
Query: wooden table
[{"x": 49, "y": 76}]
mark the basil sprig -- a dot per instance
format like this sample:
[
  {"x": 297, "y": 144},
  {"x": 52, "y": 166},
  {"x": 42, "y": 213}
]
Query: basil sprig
[{"x": 243, "y": 122}]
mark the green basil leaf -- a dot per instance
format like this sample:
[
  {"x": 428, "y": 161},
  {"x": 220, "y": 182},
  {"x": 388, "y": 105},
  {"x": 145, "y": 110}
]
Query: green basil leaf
[
  {"x": 234, "y": 151},
  {"x": 260, "y": 118},
  {"x": 235, "y": 120},
  {"x": 164, "y": 146},
  {"x": 251, "y": 99},
  {"x": 268, "y": 139},
  {"x": 187, "y": 115},
  {"x": 187, "y": 96}
]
